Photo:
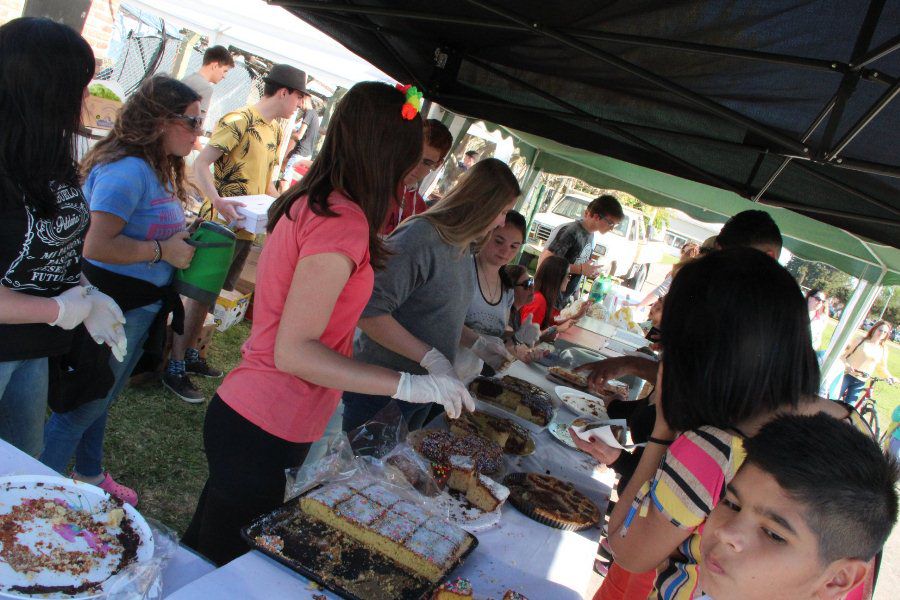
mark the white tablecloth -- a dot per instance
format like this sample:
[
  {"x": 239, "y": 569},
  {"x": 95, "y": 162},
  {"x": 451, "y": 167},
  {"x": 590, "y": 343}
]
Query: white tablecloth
[
  {"x": 185, "y": 566},
  {"x": 521, "y": 554}
]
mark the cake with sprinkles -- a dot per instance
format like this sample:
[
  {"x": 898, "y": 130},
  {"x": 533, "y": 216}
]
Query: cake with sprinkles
[
  {"x": 390, "y": 525},
  {"x": 439, "y": 445},
  {"x": 454, "y": 590}
]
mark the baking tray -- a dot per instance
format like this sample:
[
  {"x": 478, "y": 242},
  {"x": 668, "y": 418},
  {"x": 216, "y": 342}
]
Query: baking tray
[{"x": 312, "y": 542}]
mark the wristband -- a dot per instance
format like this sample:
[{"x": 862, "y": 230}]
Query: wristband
[
  {"x": 661, "y": 442},
  {"x": 158, "y": 253}
]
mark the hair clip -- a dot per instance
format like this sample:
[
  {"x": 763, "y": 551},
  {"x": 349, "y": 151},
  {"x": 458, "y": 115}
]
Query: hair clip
[{"x": 413, "y": 103}]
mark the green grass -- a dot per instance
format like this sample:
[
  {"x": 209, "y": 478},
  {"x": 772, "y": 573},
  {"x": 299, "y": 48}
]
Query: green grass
[
  {"x": 887, "y": 397},
  {"x": 154, "y": 440}
]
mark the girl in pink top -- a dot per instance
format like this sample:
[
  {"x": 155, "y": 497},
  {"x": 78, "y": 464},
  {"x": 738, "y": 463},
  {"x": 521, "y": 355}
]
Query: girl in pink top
[{"x": 315, "y": 276}]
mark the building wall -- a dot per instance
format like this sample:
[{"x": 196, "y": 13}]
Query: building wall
[
  {"x": 98, "y": 27},
  {"x": 10, "y": 9}
]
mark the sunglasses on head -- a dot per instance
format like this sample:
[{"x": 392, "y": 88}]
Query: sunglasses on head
[
  {"x": 527, "y": 284},
  {"x": 195, "y": 123},
  {"x": 819, "y": 298}
]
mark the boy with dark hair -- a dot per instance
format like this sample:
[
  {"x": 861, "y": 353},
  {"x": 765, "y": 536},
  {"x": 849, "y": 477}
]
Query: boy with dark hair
[
  {"x": 575, "y": 241},
  {"x": 217, "y": 61},
  {"x": 243, "y": 151},
  {"x": 754, "y": 229},
  {"x": 435, "y": 147},
  {"x": 811, "y": 506}
]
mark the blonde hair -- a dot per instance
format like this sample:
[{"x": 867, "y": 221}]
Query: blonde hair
[{"x": 462, "y": 216}]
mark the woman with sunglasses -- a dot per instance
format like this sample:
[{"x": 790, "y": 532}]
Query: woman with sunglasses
[
  {"x": 868, "y": 357},
  {"x": 137, "y": 188}
]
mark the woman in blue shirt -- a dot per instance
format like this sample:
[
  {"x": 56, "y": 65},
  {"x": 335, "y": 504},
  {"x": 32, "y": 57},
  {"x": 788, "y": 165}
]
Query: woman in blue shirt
[{"x": 136, "y": 187}]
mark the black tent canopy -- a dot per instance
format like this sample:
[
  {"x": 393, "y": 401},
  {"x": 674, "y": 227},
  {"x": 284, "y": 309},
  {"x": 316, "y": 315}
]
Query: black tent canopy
[{"x": 788, "y": 103}]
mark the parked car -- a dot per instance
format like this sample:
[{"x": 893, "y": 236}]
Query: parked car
[{"x": 627, "y": 251}]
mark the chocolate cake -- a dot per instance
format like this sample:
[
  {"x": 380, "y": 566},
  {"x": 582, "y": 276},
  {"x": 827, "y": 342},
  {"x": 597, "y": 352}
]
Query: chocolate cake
[
  {"x": 551, "y": 501},
  {"x": 513, "y": 438},
  {"x": 439, "y": 445},
  {"x": 516, "y": 395}
]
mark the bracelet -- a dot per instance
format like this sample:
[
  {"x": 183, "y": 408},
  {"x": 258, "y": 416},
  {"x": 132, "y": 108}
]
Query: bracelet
[
  {"x": 654, "y": 440},
  {"x": 158, "y": 251}
]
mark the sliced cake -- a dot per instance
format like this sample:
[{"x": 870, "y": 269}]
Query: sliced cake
[
  {"x": 454, "y": 590},
  {"x": 462, "y": 471},
  {"x": 486, "y": 494},
  {"x": 382, "y": 521}
]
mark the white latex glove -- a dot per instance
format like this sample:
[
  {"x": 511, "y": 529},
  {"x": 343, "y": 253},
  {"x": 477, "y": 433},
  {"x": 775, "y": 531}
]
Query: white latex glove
[
  {"x": 449, "y": 392},
  {"x": 105, "y": 322},
  {"x": 492, "y": 351},
  {"x": 529, "y": 332},
  {"x": 74, "y": 307},
  {"x": 437, "y": 364}
]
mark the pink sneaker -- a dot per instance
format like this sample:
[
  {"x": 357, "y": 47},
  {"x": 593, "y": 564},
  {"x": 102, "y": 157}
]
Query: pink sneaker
[{"x": 114, "y": 488}]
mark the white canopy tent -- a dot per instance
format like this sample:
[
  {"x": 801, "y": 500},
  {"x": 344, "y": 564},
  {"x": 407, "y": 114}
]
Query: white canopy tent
[{"x": 268, "y": 31}]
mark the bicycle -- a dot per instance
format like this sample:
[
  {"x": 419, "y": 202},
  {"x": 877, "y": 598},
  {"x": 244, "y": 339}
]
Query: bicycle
[{"x": 866, "y": 406}]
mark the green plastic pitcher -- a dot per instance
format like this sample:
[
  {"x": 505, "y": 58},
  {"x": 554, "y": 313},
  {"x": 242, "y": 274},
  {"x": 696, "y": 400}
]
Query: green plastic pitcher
[{"x": 203, "y": 279}]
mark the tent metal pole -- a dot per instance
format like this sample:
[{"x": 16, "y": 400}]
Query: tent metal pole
[
  {"x": 815, "y": 125},
  {"x": 824, "y": 211},
  {"x": 865, "y": 166},
  {"x": 842, "y": 186},
  {"x": 850, "y": 79},
  {"x": 880, "y": 52},
  {"x": 661, "y": 82},
  {"x": 713, "y": 179},
  {"x": 833, "y": 66},
  {"x": 864, "y": 120},
  {"x": 857, "y": 308}
]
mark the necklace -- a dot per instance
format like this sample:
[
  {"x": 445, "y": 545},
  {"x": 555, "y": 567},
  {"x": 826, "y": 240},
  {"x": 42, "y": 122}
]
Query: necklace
[{"x": 493, "y": 295}]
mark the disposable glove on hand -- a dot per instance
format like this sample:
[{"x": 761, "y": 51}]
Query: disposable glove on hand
[
  {"x": 493, "y": 352},
  {"x": 74, "y": 307},
  {"x": 449, "y": 392},
  {"x": 437, "y": 364},
  {"x": 105, "y": 323},
  {"x": 529, "y": 332}
]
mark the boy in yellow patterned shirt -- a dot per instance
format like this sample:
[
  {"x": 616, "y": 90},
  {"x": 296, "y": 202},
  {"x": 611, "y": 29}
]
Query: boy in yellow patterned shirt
[{"x": 243, "y": 152}]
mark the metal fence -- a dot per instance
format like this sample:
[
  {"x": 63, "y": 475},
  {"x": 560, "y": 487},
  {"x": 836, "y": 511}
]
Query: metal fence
[{"x": 139, "y": 55}]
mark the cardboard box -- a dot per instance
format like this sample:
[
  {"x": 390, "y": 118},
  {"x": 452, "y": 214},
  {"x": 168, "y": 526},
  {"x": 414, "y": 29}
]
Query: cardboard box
[
  {"x": 255, "y": 213},
  {"x": 246, "y": 283},
  {"x": 230, "y": 309},
  {"x": 99, "y": 113}
]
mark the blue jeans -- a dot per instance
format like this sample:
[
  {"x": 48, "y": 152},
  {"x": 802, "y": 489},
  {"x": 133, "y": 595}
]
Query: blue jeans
[
  {"x": 852, "y": 387},
  {"x": 360, "y": 408},
  {"x": 80, "y": 432},
  {"x": 23, "y": 403}
]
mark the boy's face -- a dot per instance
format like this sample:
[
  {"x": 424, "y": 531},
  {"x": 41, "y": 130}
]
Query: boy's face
[
  {"x": 756, "y": 544},
  {"x": 600, "y": 223}
]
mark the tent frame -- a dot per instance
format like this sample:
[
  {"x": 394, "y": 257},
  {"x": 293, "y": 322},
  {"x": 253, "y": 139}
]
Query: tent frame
[{"x": 786, "y": 146}]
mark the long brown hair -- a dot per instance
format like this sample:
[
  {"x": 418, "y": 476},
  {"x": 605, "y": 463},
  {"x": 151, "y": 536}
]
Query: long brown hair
[
  {"x": 548, "y": 280},
  {"x": 369, "y": 150},
  {"x": 874, "y": 328},
  {"x": 139, "y": 132},
  {"x": 461, "y": 216}
]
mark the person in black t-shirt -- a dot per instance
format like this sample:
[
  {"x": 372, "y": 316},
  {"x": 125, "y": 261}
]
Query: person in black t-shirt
[
  {"x": 43, "y": 219},
  {"x": 575, "y": 241}
]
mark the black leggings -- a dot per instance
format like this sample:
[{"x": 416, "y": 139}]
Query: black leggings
[{"x": 246, "y": 479}]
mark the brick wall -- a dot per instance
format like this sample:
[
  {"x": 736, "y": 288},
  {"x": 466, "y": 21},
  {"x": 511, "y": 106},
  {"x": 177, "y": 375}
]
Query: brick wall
[
  {"x": 98, "y": 26},
  {"x": 11, "y": 9}
]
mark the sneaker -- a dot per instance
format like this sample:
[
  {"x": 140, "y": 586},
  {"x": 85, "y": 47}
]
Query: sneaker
[
  {"x": 201, "y": 367},
  {"x": 182, "y": 386},
  {"x": 114, "y": 488}
]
